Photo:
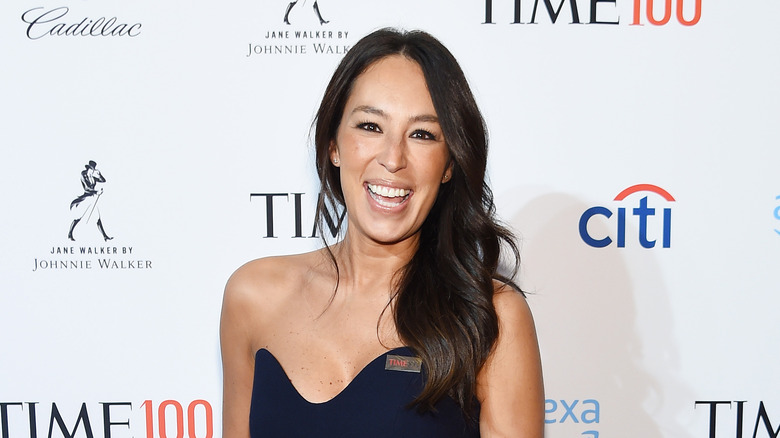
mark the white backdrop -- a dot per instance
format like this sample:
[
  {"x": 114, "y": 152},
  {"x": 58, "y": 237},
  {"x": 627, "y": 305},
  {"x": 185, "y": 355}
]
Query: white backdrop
[{"x": 196, "y": 112}]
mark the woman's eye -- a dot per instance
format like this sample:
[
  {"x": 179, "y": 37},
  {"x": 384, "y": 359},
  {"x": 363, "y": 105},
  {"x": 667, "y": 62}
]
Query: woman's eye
[
  {"x": 368, "y": 126},
  {"x": 423, "y": 135}
]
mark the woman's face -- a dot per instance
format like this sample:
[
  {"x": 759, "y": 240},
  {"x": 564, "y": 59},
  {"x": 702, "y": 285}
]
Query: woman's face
[{"x": 391, "y": 151}]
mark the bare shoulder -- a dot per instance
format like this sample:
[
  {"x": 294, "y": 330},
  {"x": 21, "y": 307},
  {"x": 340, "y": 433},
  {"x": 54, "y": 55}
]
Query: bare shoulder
[
  {"x": 517, "y": 339},
  {"x": 257, "y": 290},
  {"x": 512, "y": 308},
  {"x": 260, "y": 275},
  {"x": 509, "y": 385},
  {"x": 266, "y": 278}
]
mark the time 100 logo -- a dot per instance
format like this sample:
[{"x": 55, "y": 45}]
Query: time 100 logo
[
  {"x": 175, "y": 423},
  {"x": 655, "y": 12},
  {"x": 172, "y": 419}
]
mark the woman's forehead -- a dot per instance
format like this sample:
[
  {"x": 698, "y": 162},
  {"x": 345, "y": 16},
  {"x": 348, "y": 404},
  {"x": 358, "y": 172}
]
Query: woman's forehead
[{"x": 393, "y": 85}]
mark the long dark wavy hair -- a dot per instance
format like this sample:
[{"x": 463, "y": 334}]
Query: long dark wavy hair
[{"x": 443, "y": 306}]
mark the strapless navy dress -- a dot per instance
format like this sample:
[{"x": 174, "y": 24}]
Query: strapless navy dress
[{"x": 373, "y": 405}]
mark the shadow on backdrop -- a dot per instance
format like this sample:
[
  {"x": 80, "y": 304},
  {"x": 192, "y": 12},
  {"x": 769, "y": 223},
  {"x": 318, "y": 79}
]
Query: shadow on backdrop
[{"x": 604, "y": 323}]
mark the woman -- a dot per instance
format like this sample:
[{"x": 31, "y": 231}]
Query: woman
[{"x": 404, "y": 327}]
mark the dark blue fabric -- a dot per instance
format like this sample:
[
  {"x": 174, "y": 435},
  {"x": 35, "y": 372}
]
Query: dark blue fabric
[{"x": 373, "y": 405}]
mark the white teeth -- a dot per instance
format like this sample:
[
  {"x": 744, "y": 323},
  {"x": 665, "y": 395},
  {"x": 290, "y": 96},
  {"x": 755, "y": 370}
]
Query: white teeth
[
  {"x": 384, "y": 203},
  {"x": 388, "y": 192}
]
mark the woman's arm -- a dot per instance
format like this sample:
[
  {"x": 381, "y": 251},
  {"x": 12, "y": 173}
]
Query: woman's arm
[
  {"x": 509, "y": 386},
  {"x": 237, "y": 356}
]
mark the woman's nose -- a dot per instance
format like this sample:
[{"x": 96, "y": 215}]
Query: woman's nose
[{"x": 393, "y": 155}]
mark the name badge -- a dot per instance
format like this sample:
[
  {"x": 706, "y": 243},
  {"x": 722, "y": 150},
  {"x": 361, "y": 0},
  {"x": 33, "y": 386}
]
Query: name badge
[{"x": 403, "y": 363}]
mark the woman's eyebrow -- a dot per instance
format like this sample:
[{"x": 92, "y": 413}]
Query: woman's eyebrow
[
  {"x": 424, "y": 118},
  {"x": 431, "y": 118},
  {"x": 369, "y": 109}
]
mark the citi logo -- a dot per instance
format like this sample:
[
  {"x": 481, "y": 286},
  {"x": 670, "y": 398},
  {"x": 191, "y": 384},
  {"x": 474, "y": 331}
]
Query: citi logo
[{"x": 659, "y": 220}]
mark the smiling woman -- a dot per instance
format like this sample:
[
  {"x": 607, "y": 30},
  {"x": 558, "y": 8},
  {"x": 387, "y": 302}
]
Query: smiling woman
[
  {"x": 390, "y": 151},
  {"x": 405, "y": 327}
]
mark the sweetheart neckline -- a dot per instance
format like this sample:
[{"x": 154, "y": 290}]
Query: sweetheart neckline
[{"x": 343, "y": 390}]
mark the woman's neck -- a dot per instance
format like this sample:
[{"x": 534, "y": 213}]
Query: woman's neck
[{"x": 365, "y": 264}]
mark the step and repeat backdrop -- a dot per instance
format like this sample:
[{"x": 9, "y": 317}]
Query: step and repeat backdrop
[{"x": 149, "y": 148}]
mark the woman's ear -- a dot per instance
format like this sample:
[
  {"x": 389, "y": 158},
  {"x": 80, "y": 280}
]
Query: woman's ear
[
  {"x": 334, "y": 154},
  {"x": 447, "y": 173}
]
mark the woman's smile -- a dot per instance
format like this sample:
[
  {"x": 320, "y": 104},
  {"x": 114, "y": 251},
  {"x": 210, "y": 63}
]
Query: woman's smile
[{"x": 386, "y": 196}]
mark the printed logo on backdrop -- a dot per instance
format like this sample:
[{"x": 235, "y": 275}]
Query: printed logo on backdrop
[
  {"x": 86, "y": 204},
  {"x": 657, "y": 13},
  {"x": 735, "y": 419},
  {"x": 301, "y": 31},
  {"x": 87, "y": 239},
  {"x": 777, "y": 215},
  {"x": 315, "y": 8},
  {"x": 654, "y": 218},
  {"x": 584, "y": 415},
  {"x": 297, "y": 220},
  {"x": 107, "y": 419},
  {"x": 43, "y": 22}
]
